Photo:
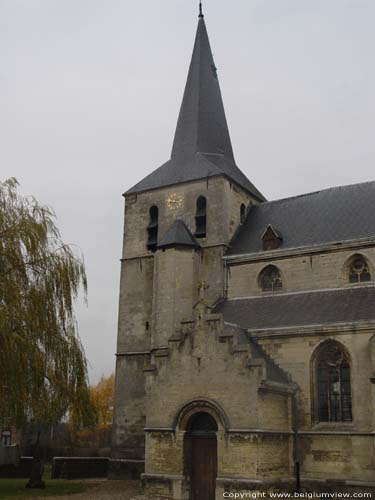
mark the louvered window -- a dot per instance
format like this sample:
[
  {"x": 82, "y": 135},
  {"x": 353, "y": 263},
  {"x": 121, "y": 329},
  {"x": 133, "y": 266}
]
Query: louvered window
[
  {"x": 201, "y": 218},
  {"x": 242, "y": 213},
  {"x": 152, "y": 229}
]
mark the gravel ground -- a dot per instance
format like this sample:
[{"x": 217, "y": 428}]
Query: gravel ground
[{"x": 107, "y": 490}]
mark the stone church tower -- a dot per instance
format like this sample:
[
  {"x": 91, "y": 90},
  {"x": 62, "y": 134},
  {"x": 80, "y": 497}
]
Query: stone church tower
[{"x": 231, "y": 308}]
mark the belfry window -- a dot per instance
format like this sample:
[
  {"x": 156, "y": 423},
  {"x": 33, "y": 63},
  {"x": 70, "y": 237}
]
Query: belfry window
[
  {"x": 152, "y": 229},
  {"x": 242, "y": 213},
  {"x": 332, "y": 372},
  {"x": 270, "y": 279},
  {"x": 358, "y": 270},
  {"x": 201, "y": 218}
]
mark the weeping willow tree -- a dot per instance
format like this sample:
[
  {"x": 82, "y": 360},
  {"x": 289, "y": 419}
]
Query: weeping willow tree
[{"x": 43, "y": 373}]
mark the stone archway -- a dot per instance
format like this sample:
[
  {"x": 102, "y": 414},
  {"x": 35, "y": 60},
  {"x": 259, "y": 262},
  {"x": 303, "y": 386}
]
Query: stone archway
[{"x": 202, "y": 423}]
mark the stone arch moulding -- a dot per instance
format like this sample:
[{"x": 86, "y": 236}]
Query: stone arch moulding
[
  {"x": 348, "y": 263},
  {"x": 269, "y": 268},
  {"x": 317, "y": 351},
  {"x": 188, "y": 409}
]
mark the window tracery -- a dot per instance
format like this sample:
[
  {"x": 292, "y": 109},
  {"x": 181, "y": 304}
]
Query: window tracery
[
  {"x": 359, "y": 270},
  {"x": 334, "y": 401},
  {"x": 270, "y": 279}
]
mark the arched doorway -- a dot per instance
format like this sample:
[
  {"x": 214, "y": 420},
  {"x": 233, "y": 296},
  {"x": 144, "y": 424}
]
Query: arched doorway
[{"x": 201, "y": 456}]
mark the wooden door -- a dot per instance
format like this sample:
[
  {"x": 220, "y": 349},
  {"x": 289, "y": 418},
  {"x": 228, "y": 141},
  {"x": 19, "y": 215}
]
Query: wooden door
[{"x": 203, "y": 467}]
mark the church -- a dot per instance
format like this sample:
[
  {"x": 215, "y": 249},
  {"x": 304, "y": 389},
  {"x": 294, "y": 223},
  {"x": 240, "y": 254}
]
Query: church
[{"x": 246, "y": 335}]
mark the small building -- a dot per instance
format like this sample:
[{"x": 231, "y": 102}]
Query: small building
[
  {"x": 9, "y": 436},
  {"x": 246, "y": 344}
]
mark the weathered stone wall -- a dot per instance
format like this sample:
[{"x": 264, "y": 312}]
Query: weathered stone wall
[
  {"x": 165, "y": 451},
  {"x": 158, "y": 290},
  {"x": 275, "y": 457},
  {"x": 175, "y": 292},
  {"x": 129, "y": 414},
  {"x": 338, "y": 457},
  {"x": 135, "y": 311},
  {"x": 348, "y": 455},
  {"x": 223, "y": 212},
  {"x": 295, "y": 354},
  {"x": 299, "y": 273},
  {"x": 203, "y": 368},
  {"x": 274, "y": 411},
  {"x": 240, "y": 455}
]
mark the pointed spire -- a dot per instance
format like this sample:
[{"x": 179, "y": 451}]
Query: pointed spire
[
  {"x": 202, "y": 125},
  {"x": 200, "y": 10},
  {"x": 202, "y": 147}
]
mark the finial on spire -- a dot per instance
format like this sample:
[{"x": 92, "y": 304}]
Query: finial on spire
[{"x": 200, "y": 10}]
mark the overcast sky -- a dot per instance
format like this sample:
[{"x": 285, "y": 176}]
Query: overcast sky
[{"x": 90, "y": 92}]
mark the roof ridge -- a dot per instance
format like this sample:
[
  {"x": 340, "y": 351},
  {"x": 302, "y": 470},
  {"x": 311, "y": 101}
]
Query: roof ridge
[{"x": 334, "y": 188}]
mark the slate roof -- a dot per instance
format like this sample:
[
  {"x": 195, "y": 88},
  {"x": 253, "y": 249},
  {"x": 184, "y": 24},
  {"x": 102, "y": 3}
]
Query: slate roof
[
  {"x": 328, "y": 216},
  {"x": 178, "y": 235},
  {"x": 202, "y": 147},
  {"x": 348, "y": 305},
  {"x": 274, "y": 372}
]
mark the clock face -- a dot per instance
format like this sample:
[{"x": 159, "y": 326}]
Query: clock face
[{"x": 175, "y": 201}]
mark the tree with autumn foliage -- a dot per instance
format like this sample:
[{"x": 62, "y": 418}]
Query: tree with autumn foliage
[
  {"x": 97, "y": 438},
  {"x": 103, "y": 398}
]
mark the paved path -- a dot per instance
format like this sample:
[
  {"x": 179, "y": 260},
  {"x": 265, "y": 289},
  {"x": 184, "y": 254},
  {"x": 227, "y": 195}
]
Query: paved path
[{"x": 106, "y": 490}]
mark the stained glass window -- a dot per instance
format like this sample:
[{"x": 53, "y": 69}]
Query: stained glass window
[{"x": 333, "y": 383}]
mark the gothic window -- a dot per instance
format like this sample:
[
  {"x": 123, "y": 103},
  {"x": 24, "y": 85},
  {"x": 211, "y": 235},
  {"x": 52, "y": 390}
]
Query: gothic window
[
  {"x": 243, "y": 214},
  {"x": 152, "y": 229},
  {"x": 270, "y": 279},
  {"x": 6, "y": 438},
  {"x": 358, "y": 270},
  {"x": 332, "y": 373},
  {"x": 201, "y": 218}
]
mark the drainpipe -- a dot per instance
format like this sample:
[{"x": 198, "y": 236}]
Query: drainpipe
[{"x": 297, "y": 468}]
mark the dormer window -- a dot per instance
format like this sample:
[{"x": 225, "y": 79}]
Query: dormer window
[
  {"x": 152, "y": 229},
  {"x": 358, "y": 270},
  {"x": 272, "y": 238},
  {"x": 270, "y": 279},
  {"x": 201, "y": 218}
]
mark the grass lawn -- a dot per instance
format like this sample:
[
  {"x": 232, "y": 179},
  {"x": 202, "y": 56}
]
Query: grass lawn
[{"x": 15, "y": 489}]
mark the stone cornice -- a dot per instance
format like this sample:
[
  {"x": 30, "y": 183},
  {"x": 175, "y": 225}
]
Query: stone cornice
[
  {"x": 254, "y": 430},
  {"x": 299, "y": 251},
  {"x": 134, "y": 353},
  {"x": 313, "y": 330}
]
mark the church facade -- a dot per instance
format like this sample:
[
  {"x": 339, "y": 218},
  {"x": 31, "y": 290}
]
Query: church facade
[{"x": 246, "y": 340}]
